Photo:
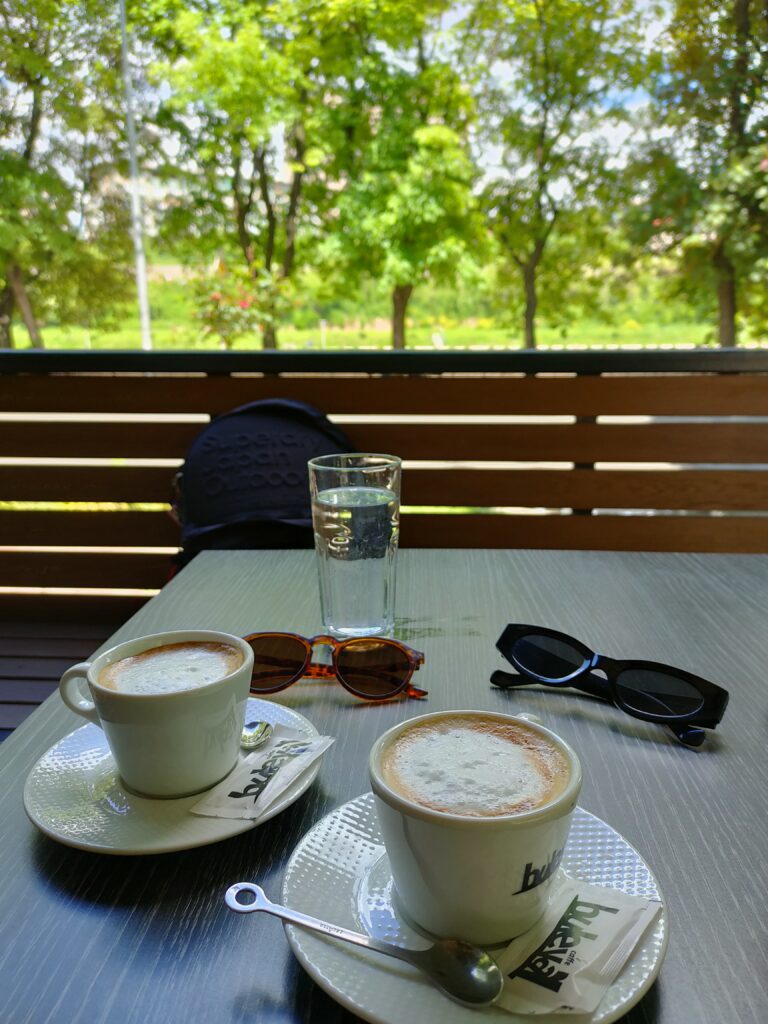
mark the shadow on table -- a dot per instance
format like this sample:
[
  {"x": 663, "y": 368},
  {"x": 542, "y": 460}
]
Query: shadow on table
[
  {"x": 587, "y": 709},
  {"x": 647, "y": 1010},
  {"x": 311, "y": 1003},
  {"x": 174, "y": 884},
  {"x": 308, "y": 1002}
]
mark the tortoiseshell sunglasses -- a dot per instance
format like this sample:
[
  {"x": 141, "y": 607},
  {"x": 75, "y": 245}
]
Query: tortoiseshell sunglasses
[{"x": 373, "y": 668}]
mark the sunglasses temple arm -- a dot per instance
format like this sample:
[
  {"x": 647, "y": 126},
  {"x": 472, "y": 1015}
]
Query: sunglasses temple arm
[
  {"x": 414, "y": 691},
  {"x": 596, "y": 687},
  {"x": 690, "y": 735},
  {"x": 593, "y": 685},
  {"x": 504, "y": 680}
]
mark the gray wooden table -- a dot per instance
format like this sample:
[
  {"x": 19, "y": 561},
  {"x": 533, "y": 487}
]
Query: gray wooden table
[{"x": 91, "y": 938}]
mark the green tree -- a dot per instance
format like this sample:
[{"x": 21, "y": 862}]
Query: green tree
[
  {"x": 247, "y": 82},
  {"x": 556, "y": 78},
  {"x": 63, "y": 221},
  {"x": 402, "y": 175},
  {"x": 703, "y": 177},
  {"x": 408, "y": 219}
]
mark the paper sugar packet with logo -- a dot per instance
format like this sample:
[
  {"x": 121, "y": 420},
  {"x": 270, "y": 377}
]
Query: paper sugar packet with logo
[
  {"x": 260, "y": 777},
  {"x": 565, "y": 963}
]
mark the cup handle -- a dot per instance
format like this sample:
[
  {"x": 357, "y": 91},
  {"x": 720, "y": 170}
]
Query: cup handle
[{"x": 71, "y": 695}]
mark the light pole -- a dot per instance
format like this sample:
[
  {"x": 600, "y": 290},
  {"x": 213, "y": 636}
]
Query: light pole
[{"x": 137, "y": 220}]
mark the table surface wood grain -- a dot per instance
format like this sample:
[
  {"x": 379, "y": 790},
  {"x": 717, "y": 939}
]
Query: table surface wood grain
[{"x": 116, "y": 940}]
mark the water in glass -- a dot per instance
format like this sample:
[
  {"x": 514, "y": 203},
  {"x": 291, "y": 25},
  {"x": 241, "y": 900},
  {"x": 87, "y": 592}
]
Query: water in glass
[{"x": 356, "y": 530}]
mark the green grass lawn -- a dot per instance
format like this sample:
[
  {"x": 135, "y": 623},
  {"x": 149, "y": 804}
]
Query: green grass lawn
[
  {"x": 584, "y": 334},
  {"x": 174, "y": 327}
]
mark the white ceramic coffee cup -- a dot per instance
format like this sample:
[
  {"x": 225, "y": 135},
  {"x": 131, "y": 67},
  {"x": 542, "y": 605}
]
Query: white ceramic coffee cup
[
  {"x": 482, "y": 879},
  {"x": 166, "y": 744}
]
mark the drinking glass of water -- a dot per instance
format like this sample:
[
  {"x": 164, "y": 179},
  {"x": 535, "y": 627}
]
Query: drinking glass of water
[{"x": 356, "y": 519}]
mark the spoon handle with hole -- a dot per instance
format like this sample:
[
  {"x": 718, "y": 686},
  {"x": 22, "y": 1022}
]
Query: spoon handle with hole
[
  {"x": 462, "y": 971},
  {"x": 262, "y": 903}
]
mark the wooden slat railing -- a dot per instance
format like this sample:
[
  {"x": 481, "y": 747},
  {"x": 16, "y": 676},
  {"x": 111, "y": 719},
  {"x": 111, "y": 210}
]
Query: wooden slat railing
[{"x": 677, "y": 484}]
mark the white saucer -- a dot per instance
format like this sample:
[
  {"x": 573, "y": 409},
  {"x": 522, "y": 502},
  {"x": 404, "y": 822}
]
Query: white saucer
[
  {"x": 74, "y": 794},
  {"x": 339, "y": 872}
]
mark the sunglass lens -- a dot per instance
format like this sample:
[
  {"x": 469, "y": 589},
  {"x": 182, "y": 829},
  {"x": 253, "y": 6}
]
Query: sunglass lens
[
  {"x": 547, "y": 657},
  {"x": 277, "y": 660},
  {"x": 657, "y": 693},
  {"x": 373, "y": 668}
]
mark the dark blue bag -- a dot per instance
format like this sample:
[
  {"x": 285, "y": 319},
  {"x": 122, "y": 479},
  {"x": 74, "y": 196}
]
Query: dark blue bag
[{"x": 244, "y": 482}]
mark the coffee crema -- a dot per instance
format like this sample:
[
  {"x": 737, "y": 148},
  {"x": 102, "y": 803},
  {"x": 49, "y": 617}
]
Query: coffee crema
[
  {"x": 172, "y": 668},
  {"x": 475, "y": 765}
]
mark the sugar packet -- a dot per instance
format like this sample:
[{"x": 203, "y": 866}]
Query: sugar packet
[
  {"x": 565, "y": 963},
  {"x": 263, "y": 775}
]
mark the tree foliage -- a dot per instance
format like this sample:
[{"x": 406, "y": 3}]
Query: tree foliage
[
  {"x": 558, "y": 78},
  {"x": 318, "y": 149},
  {"x": 703, "y": 177},
  {"x": 64, "y": 239},
  {"x": 404, "y": 210}
]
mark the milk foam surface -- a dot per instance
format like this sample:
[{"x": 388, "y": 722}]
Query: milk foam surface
[
  {"x": 171, "y": 668},
  {"x": 477, "y": 767}
]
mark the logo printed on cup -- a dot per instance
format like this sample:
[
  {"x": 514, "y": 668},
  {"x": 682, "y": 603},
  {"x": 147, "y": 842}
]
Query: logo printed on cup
[{"x": 537, "y": 876}]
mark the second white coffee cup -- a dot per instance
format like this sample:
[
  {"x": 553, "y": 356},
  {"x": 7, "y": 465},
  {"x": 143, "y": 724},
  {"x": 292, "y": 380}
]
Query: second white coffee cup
[
  {"x": 168, "y": 744},
  {"x": 482, "y": 878}
]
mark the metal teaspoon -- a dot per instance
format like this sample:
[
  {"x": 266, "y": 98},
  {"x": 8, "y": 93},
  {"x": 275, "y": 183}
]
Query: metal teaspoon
[
  {"x": 255, "y": 734},
  {"x": 462, "y": 971}
]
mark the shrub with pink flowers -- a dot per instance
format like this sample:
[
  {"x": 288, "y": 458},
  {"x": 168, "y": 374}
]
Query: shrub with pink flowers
[{"x": 234, "y": 301}]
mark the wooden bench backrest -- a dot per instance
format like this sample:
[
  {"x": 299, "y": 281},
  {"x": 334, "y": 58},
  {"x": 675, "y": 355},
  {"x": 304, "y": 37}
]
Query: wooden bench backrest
[{"x": 582, "y": 480}]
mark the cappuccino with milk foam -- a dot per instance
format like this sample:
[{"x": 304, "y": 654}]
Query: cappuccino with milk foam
[
  {"x": 171, "y": 668},
  {"x": 475, "y": 766}
]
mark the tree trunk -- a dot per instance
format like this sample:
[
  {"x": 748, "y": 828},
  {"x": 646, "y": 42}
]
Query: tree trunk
[
  {"x": 726, "y": 301},
  {"x": 401, "y": 295},
  {"x": 292, "y": 214},
  {"x": 726, "y": 298},
  {"x": 260, "y": 163},
  {"x": 16, "y": 282},
  {"x": 6, "y": 317},
  {"x": 531, "y": 302},
  {"x": 269, "y": 337}
]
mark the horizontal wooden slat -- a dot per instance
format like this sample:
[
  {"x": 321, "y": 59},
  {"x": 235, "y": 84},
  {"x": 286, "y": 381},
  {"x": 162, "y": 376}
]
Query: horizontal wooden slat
[
  {"x": 32, "y": 669},
  {"x": 114, "y": 571},
  {"x": 602, "y": 532},
  {"x": 671, "y": 394},
  {"x": 40, "y": 646},
  {"x": 389, "y": 361},
  {"x": 580, "y": 442},
  {"x": 12, "y": 715},
  {"x": 725, "y": 490},
  {"x": 737, "y": 442},
  {"x": 736, "y": 490},
  {"x": 641, "y": 533},
  {"x": 78, "y": 529},
  {"x": 598, "y": 533},
  {"x": 63, "y": 609},
  {"x": 86, "y": 483},
  {"x": 54, "y": 439},
  {"x": 20, "y": 690},
  {"x": 78, "y": 639}
]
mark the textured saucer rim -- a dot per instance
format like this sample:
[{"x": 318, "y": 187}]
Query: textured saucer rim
[
  {"x": 314, "y": 952},
  {"x": 202, "y": 831}
]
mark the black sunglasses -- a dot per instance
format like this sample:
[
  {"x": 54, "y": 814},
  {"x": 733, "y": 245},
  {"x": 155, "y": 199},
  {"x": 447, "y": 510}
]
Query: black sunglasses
[{"x": 645, "y": 689}]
